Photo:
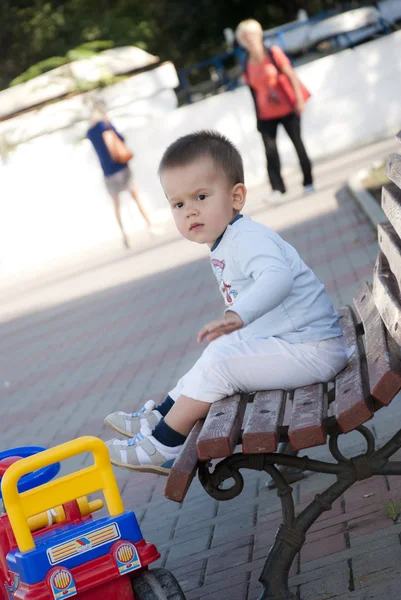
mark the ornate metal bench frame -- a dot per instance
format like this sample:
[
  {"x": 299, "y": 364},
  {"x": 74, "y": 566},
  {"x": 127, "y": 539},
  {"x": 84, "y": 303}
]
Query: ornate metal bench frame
[{"x": 291, "y": 534}]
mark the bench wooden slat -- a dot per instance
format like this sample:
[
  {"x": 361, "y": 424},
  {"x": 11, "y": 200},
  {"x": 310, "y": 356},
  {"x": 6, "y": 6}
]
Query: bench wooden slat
[
  {"x": 267, "y": 412},
  {"x": 222, "y": 428},
  {"x": 390, "y": 245},
  {"x": 393, "y": 168},
  {"x": 352, "y": 403},
  {"x": 387, "y": 297},
  {"x": 383, "y": 360},
  {"x": 391, "y": 205},
  {"x": 308, "y": 413},
  {"x": 184, "y": 468}
]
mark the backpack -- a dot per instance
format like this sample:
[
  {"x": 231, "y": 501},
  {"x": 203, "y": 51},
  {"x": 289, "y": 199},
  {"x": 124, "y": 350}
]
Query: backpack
[{"x": 284, "y": 82}]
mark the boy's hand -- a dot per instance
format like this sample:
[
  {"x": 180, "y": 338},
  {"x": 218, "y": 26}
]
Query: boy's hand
[{"x": 230, "y": 322}]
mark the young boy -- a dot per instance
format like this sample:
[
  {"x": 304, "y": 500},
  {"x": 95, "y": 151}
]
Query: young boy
[{"x": 279, "y": 329}]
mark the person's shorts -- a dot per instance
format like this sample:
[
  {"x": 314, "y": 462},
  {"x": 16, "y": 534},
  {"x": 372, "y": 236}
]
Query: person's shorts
[{"x": 119, "y": 182}]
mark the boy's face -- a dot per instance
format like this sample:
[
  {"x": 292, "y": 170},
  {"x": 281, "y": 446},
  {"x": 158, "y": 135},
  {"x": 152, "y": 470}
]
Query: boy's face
[{"x": 201, "y": 199}]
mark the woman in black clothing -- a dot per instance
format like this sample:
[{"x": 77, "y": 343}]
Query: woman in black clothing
[{"x": 279, "y": 98}]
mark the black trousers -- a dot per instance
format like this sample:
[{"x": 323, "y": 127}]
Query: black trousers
[{"x": 268, "y": 130}]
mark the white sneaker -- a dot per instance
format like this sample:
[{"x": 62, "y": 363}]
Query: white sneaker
[
  {"x": 129, "y": 424},
  {"x": 275, "y": 197},
  {"x": 143, "y": 453}
]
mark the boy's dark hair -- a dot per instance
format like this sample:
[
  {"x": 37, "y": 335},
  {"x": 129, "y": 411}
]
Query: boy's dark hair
[{"x": 205, "y": 143}]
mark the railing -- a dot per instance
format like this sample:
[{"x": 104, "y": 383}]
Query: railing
[
  {"x": 223, "y": 78},
  {"x": 226, "y": 79},
  {"x": 220, "y": 77}
]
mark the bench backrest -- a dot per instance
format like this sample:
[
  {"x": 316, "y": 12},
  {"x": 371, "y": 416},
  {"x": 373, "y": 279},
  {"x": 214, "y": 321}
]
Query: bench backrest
[{"x": 380, "y": 311}]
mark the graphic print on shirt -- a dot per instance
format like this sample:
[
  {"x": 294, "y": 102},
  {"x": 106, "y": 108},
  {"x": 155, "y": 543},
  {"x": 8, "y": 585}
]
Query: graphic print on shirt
[{"x": 225, "y": 287}]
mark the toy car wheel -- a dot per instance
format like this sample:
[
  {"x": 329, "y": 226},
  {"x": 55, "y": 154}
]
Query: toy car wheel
[{"x": 157, "y": 584}]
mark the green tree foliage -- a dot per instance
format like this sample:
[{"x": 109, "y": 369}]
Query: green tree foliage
[
  {"x": 83, "y": 51},
  {"x": 39, "y": 33}
]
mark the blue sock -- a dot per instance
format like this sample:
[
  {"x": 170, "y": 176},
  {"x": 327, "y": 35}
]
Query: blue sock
[
  {"x": 164, "y": 434},
  {"x": 165, "y": 406}
]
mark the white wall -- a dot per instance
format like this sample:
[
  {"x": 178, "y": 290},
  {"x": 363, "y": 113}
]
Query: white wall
[
  {"x": 63, "y": 80},
  {"x": 355, "y": 100},
  {"x": 133, "y": 102},
  {"x": 52, "y": 198}
]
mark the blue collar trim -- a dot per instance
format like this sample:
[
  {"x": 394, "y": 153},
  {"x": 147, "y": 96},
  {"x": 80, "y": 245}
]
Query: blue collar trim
[{"x": 217, "y": 242}]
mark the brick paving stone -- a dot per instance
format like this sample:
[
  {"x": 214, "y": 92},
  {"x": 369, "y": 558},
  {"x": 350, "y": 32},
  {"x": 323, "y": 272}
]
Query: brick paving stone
[
  {"x": 377, "y": 566},
  {"x": 339, "y": 266},
  {"x": 236, "y": 592},
  {"x": 194, "y": 515},
  {"x": 245, "y": 569},
  {"x": 220, "y": 562},
  {"x": 189, "y": 548},
  {"x": 364, "y": 493},
  {"x": 339, "y": 518},
  {"x": 325, "y": 533},
  {"x": 390, "y": 590},
  {"x": 343, "y": 296},
  {"x": 326, "y": 582},
  {"x": 224, "y": 588},
  {"x": 395, "y": 487},
  {"x": 189, "y": 533},
  {"x": 323, "y": 547},
  {"x": 190, "y": 576},
  {"x": 360, "y": 258},
  {"x": 256, "y": 590},
  {"x": 227, "y": 547},
  {"x": 235, "y": 538},
  {"x": 368, "y": 544},
  {"x": 375, "y": 521},
  {"x": 231, "y": 525}
]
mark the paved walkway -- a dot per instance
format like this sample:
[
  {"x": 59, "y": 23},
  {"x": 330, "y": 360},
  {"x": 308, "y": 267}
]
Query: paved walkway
[{"x": 113, "y": 331}]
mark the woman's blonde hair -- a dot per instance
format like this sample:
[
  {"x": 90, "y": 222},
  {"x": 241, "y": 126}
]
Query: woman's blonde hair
[
  {"x": 99, "y": 110},
  {"x": 247, "y": 25}
]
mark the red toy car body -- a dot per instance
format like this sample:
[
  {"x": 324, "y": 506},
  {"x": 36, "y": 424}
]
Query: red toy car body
[{"x": 50, "y": 546}]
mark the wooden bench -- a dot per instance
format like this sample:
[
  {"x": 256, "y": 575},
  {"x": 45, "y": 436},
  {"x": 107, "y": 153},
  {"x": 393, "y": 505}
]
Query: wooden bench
[{"x": 311, "y": 415}]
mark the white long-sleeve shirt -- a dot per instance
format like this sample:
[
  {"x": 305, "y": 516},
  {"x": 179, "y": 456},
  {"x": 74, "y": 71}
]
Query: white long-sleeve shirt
[{"x": 264, "y": 280}]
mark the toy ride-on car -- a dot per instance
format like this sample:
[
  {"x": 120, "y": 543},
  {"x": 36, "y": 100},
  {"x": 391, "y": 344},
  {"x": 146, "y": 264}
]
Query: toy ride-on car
[{"x": 50, "y": 546}]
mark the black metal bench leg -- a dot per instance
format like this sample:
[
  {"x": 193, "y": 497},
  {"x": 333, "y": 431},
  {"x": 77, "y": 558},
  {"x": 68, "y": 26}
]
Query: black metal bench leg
[
  {"x": 290, "y": 474},
  {"x": 288, "y": 542},
  {"x": 274, "y": 576}
]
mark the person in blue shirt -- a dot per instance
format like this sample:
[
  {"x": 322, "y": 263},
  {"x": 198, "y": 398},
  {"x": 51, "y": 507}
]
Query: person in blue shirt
[{"x": 118, "y": 177}]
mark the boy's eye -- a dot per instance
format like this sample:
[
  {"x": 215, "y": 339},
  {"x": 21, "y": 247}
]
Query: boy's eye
[
  {"x": 201, "y": 196},
  {"x": 178, "y": 205}
]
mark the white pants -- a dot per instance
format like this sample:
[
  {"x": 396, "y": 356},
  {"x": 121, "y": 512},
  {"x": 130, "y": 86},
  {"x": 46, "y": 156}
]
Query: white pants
[{"x": 230, "y": 365}]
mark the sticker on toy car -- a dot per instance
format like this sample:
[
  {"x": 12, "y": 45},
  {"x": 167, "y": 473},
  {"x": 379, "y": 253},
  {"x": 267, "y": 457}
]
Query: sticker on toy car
[
  {"x": 82, "y": 544},
  {"x": 62, "y": 584},
  {"x": 127, "y": 558}
]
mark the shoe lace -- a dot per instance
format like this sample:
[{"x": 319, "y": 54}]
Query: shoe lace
[
  {"x": 137, "y": 438},
  {"x": 138, "y": 413}
]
